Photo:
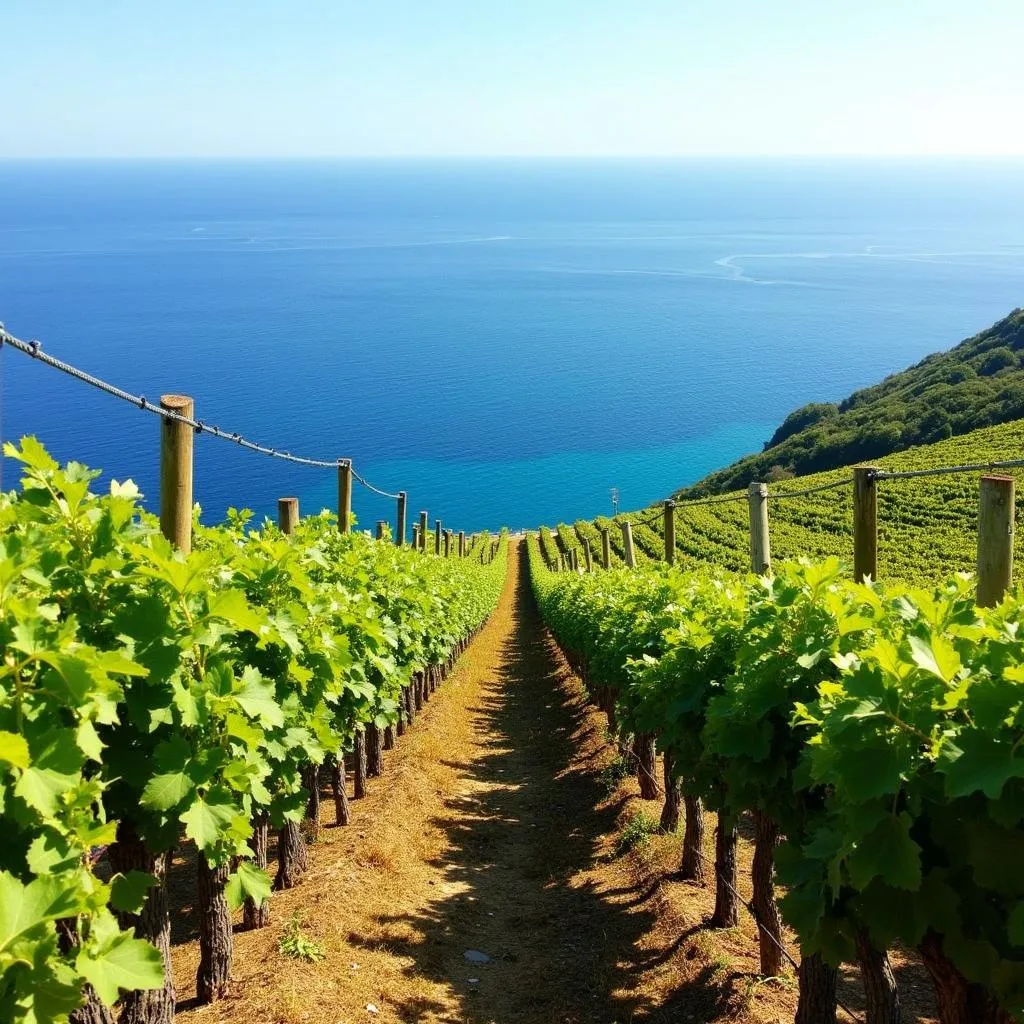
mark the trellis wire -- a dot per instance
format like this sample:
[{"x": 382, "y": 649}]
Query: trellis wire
[
  {"x": 370, "y": 487},
  {"x": 772, "y": 495},
  {"x": 833, "y": 486},
  {"x": 35, "y": 350},
  {"x": 709, "y": 501},
  {"x": 970, "y": 467},
  {"x": 753, "y": 913}
]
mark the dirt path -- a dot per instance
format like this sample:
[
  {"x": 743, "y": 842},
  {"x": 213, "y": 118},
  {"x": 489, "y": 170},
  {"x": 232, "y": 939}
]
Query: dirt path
[{"x": 494, "y": 830}]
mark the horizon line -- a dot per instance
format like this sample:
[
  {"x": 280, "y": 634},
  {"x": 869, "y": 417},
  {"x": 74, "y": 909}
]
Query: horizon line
[{"x": 482, "y": 157}]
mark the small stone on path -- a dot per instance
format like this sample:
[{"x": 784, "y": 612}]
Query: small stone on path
[{"x": 474, "y": 956}]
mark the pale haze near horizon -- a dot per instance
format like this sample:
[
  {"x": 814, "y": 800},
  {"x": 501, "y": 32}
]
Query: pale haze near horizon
[{"x": 455, "y": 78}]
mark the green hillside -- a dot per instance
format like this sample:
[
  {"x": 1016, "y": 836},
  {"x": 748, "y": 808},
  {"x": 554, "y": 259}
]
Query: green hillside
[
  {"x": 927, "y": 526},
  {"x": 979, "y": 383}
]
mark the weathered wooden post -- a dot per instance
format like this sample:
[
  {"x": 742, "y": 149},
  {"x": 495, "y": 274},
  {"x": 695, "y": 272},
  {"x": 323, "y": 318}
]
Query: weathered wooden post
[
  {"x": 287, "y": 514},
  {"x": 606, "y": 548},
  {"x": 996, "y": 508},
  {"x": 627, "y": 543},
  {"x": 462, "y": 543},
  {"x": 344, "y": 495},
  {"x": 400, "y": 520},
  {"x": 176, "y": 472},
  {"x": 670, "y": 531},
  {"x": 447, "y": 543},
  {"x": 760, "y": 544},
  {"x": 437, "y": 537},
  {"x": 588, "y": 556},
  {"x": 574, "y": 559},
  {"x": 865, "y": 523},
  {"x": 381, "y": 526},
  {"x": 423, "y": 532}
]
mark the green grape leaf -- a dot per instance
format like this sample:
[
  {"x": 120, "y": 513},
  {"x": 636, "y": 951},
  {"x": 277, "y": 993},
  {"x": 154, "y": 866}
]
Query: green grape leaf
[
  {"x": 258, "y": 699},
  {"x": 56, "y": 989},
  {"x": 232, "y": 607},
  {"x": 42, "y": 788},
  {"x": 14, "y": 749},
  {"x": 123, "y": 963},
  {"x": 206, "y": 820},
  {"x": 866, "y": 778},
  {"x": 32, "y": 454},
  {"x": 165, "y": 791},
  {"x": 50, "y": 853},
  {"x": 938, "y": 657},
  {"x": 892, "y": 914},
  {"x": 89, "y": 741},
  {"x": 248, "y": 882},
  {"x": 984, "y": 763},
  {"x": 239, "y": 728},
  {"x": 128, "y": 891},
  {"x": 24, "y": 907},
  {"x": 887, "y": 853}
]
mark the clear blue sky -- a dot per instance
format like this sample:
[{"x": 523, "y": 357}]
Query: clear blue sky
[{"x": 310, "y": 78}]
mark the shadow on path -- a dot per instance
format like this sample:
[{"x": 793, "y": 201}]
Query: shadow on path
[{"x": 515, "y": 884}]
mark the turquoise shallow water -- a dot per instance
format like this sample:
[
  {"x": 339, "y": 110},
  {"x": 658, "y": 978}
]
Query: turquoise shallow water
[{"x": 505, "y": 340}]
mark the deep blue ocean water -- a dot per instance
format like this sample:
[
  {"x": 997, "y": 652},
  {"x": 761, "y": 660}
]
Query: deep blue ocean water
[{"x": 506, "y": 340}]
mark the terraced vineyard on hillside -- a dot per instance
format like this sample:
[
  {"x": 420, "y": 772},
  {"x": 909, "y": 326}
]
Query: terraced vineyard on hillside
[{"x": 927, "y": 527}]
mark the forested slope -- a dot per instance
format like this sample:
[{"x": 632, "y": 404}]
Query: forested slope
[{"x": 978, "y": 383}]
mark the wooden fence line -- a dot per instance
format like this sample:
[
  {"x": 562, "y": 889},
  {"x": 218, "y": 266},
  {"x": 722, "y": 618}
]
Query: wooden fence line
[{"x": 996, "y": 512}]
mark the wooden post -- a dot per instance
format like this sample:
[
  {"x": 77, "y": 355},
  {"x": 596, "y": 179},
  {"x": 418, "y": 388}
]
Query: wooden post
[
  {"x": 447, "y": 543},
  {"x": 423, "y": 532},
  {"x": 760, "y": 544},
  {"x": 995, "y": 539},
  {"x": 627, "y": 543},
  {"x": 865, "y": 523},
  {"x": 462, "y": 543},
  {"x": 344, "y": 496},
  {"x": 437, "y": 537},
  {"x": 287, "y": 514},
  {"x": 588, "y": 556},
  {"x": 606, "y": 549},
  {"x": 176, "y": 472},
  {"x": 381, "y": 526},
  {"x": 574, "y": 560},
  {"x": 400, "y": 521},
  {"x": 670, "y": 531}
]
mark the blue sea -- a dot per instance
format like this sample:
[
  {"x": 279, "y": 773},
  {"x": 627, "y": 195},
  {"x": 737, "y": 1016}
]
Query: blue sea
[{"x": 505, "y": 340}]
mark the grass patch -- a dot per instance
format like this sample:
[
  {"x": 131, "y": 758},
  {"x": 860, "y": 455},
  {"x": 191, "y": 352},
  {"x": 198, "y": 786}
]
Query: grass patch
[
  {"x": 297, "y": 945},
  {"x": 638, "y": 832},
  {"x": 613, "y": 773}
]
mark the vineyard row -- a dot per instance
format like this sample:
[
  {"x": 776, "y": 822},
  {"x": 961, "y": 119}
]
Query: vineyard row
[
  {"x": 875, "y": 729},
  {"x": 172, "y": 687}
]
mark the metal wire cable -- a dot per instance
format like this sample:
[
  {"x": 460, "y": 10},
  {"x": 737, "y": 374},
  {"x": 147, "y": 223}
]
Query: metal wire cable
[
  {"x": 710, "y": 501},
  {"x": 370, "y": 487},
  {"x": 761, "y": 928},
  {"x": 970, "y": 467},
  {"x": 35, "y": 350},
  {"x": 647, "y": 522},
  {"x": 835, "y": 485},
  {"x": 772, "y": 495}
]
